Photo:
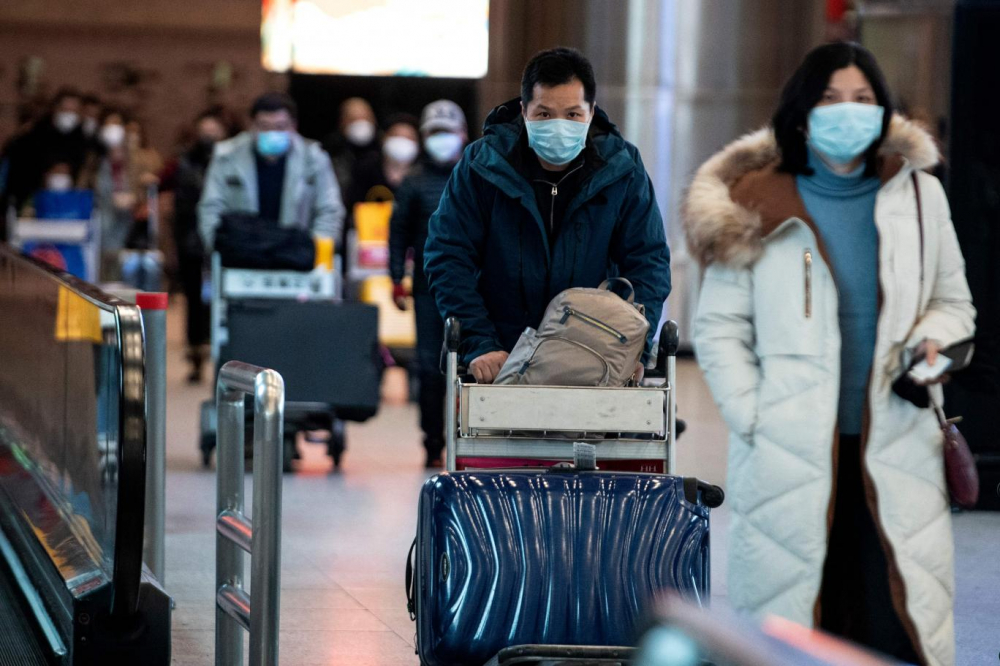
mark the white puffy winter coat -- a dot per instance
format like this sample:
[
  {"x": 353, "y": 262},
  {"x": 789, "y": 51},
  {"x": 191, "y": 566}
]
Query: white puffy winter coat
[{"x": 768, "y": 339}]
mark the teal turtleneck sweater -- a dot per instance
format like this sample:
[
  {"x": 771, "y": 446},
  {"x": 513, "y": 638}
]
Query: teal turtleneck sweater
[{"x": 843, "y": 208}]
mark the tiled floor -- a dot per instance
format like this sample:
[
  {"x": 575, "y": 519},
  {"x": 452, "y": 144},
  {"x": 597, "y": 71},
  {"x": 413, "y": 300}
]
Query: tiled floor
[{"x": 345, "y": 536}]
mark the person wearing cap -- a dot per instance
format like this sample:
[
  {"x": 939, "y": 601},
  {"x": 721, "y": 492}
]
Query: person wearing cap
[
  {"x": 443, "y": 135},
  {"x": 551, "y": 197}
]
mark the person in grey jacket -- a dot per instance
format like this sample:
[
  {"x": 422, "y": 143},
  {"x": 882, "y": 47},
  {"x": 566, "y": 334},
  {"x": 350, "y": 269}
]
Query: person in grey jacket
[{"x": 273, "y": 172}]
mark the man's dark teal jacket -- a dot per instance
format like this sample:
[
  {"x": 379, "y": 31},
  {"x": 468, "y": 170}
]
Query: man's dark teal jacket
[{"x": 490, "y": 261}]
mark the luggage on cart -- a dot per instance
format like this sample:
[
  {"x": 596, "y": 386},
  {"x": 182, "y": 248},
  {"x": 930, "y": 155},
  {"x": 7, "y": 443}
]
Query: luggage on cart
[
  {"x": 509, "y": 565},
  {"x": 141, "y": 266},
  {"x": 557, "y": 557},
  {"x": 326, "y": 351},
  {"x": 142, "y": 269},
  {"x": 294, "y": 322}
]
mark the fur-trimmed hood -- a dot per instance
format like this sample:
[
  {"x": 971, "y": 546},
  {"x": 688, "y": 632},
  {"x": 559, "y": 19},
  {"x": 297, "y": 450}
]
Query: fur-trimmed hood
[{"x": 738, "y": 197}]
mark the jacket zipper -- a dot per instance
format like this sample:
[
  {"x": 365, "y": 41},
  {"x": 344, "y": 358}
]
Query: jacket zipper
[
  {"x": 809, "y": 266},
  {"x": 597, "y": 323},
  {"x": 555, "y": 193}
]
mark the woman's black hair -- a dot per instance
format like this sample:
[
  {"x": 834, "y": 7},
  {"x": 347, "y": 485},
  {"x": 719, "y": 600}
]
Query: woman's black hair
[
  {"x": 805, "y": 90},
  {"x": 403, "y": 119}
]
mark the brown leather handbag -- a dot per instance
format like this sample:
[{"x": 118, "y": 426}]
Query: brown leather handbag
[{"x": 959, "y": 465}]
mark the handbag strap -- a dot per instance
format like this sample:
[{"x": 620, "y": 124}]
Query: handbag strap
[{"x": 920, "y": 226}]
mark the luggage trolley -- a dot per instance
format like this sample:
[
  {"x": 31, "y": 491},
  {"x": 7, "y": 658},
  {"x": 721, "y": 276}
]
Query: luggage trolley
[
  {"x": 584, "y": 424},
  {"x": 229, "y": 284},
  {"x": 461, "y": 550}
]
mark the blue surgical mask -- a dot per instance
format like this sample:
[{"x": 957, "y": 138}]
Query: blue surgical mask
[
  {"x": 444, "y": 147},
  {"x": 273, "y": 143},
  {"x": 557, "y": 141},
  {"x": 842, "y": 132}
]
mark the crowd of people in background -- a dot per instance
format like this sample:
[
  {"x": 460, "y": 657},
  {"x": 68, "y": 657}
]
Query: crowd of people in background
[{"x": 81, "y": 142}]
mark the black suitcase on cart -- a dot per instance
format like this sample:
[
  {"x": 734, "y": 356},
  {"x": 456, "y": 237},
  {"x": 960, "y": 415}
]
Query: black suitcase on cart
[{"x": 327, "y": 352}]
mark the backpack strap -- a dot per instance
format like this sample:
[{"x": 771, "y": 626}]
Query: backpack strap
[{"x": 608, "y": 284}]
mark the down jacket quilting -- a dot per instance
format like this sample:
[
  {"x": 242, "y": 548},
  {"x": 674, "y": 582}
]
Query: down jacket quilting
[{"x": 767, "y": 336}]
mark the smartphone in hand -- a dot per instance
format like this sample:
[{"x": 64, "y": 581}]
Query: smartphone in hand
[{"x": 955, "y": 357}]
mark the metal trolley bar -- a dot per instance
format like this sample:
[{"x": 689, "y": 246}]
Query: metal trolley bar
[
  {"x": 543, "y": 422},
  {"x": 235, "y": 532}
]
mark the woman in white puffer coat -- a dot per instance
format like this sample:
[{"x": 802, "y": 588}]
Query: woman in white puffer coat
[{"x": 830, "y": 257}]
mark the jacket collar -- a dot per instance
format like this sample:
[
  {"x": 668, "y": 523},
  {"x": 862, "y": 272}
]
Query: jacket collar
[
  {"x": 240, "y": 151},
  {"x": 738, "y": 197}
]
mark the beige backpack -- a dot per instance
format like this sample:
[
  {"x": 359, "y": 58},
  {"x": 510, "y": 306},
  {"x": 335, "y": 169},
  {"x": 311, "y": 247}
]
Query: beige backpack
[{"x": 588, "y": 337}]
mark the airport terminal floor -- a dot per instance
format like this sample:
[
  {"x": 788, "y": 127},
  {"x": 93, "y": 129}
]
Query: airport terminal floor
[{"x": 345, "y": 536}]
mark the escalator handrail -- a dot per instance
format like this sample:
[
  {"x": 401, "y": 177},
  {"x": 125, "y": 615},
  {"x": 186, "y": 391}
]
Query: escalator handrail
[{"x": 130, "y": 514}]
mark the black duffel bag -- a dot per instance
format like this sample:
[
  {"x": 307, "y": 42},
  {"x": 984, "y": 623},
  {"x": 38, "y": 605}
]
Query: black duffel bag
[{"x": 245, "y": 240}]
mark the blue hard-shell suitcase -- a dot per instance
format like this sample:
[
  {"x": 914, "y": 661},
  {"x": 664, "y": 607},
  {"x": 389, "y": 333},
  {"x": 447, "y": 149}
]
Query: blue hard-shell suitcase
[{"x": 550, "y": 557}]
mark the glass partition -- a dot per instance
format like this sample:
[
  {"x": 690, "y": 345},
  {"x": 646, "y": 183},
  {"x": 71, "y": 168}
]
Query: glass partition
[{"x": 72, "y": 429}]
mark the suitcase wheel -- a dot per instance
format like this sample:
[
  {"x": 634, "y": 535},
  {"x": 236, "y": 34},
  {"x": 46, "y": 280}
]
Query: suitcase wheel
[
  {"x": 207, "y": 445},
  {"x": 289, "y": 451},
  {"x": 338, "y": 442}
]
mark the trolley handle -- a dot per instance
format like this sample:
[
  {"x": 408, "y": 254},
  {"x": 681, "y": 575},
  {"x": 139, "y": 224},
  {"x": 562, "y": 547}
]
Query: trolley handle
[
  {"x": 452, "y": 334},
  {"x": 670, "y": 339}
]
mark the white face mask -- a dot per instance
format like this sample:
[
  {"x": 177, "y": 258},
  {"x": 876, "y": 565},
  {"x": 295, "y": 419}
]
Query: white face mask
[
  {"x": 360, "y": 132},
  {"x": 66, "y": 121},
  {"x": 400, "y": 149},
  {"x": 59, "y": 182},
  {"x": 444, "y": 147},
  {"x": 113, "y": 136}
]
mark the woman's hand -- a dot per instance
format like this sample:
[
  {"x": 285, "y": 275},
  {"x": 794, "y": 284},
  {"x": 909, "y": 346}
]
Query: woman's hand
[{"x": 930, "y": 349}]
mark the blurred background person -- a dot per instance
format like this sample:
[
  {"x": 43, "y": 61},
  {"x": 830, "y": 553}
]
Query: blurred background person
[
  {"x": 444, "y": 133},
  {"x": 188, "y": 181},
  {"x": 90, "y": 116},
  {"x": 117, "y": 191},
  {"x": 378, "y": 175},
  {"x": 146, "y": 164},
  {"x": 54, "y": 138},
  {"x": 273, "y": 173},
  {"x": 355, "y": 138},
  {"x": 815, "y": 235}
]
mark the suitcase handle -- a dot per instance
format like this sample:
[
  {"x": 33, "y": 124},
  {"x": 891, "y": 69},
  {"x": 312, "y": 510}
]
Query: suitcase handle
[
  {"x": 411, "y": 587},
  {"x": 696, "y": 491}
]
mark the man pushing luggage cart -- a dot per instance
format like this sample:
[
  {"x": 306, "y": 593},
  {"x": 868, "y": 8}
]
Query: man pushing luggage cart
[{"x": 552, "y": 197}]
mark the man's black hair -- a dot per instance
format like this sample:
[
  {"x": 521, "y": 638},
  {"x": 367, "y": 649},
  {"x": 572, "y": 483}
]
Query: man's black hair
[
  {"x": 555, "y": 67},
  {"x": 90, "y": 99},
  {"x": 274, "y": 101},
  {"x": 805, "y": 90}
]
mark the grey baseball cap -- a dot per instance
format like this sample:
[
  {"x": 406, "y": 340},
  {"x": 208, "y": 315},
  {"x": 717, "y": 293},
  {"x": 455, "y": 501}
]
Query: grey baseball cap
[{"x": 442, "y": 115}]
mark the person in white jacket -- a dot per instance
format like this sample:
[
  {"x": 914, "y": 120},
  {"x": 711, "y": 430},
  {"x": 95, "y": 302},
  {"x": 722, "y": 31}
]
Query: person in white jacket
[{"x": 830, "y": 260}]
